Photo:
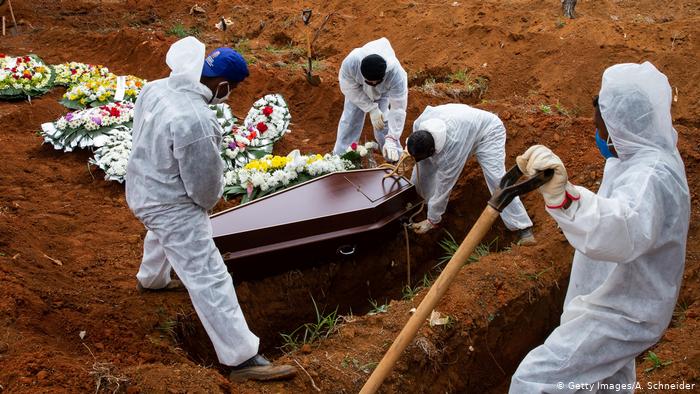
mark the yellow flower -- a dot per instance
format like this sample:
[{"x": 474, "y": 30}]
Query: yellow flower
[{"x": 314, "y": 158}]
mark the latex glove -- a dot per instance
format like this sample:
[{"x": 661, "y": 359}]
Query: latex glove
[
  {"x": 377, "y": 119},
  {"x": 391, "y": 150},
  {"x": 558, "y": 191},
  {"x": 422, "y": 227}
]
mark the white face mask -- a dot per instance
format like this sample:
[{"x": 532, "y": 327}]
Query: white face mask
[{"x": 219, "y": 100}]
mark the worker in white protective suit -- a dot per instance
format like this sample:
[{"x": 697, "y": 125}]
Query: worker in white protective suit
[
  {"x": 630, "y": 240},
  {"x": 174, "y": 176},
  {"x": 443, "y": 139},
  {"x": 374, "y": 83}
]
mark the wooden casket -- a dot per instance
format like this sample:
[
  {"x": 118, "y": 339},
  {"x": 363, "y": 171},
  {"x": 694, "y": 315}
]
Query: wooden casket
[{"x": 329, "y": 217}]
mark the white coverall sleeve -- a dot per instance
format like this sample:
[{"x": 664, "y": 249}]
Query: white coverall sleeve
[
  {"x": 616, "y": 229},
  {"x": 351, "y": 89},
  {"x": 398, "y": 101},
  {"x": 201, "y": 170}
]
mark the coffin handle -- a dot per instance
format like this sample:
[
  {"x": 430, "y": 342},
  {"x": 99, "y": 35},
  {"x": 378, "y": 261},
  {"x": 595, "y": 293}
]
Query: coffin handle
[{"x": 346, "y": 250}]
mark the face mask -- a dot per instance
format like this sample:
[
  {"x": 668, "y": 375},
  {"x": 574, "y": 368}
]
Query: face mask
[
  {"x": 603, "y": 146},
  {"x": 374, "y": 83},
  {"x": 218, "y": 100}
]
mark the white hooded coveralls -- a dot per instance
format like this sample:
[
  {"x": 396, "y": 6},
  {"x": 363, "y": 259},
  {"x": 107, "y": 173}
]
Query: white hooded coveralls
[
  {"x": 630, "y": 242},
  {"x": 174, "y": 177},
  {"x": 390, "y": 96},
  {"x": 467, "y": 131}
]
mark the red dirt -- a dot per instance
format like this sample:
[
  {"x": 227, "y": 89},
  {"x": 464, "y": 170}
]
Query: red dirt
[{"x": 53, "y": 208}]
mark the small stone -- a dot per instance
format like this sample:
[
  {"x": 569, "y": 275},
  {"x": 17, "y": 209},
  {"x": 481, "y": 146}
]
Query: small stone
[
  {"x": 279, "y": 64},
  {"x": 25, "y": 380},
  {"x": 556, "y": 138},
  {"x": 306, "y": 348},
  {"x": 41, "y": 375}
]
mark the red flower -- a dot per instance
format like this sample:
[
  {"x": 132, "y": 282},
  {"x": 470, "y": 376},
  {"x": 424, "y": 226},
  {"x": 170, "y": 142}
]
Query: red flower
[
  {"x": 252, "y": 135},
  {"x": 114, "y": 112},
  {"x": 15, "y": 76},
  {"x": 2, "y": 55},
  {"x": 73, "y": 71},
  {"x": 27, "y": 59},
  {"x": 262, "y": 127},
  {"x": 19, "y": 60},
  {"x": 14, "y": 69},
  {"x": 25, "y": 76},
  {"x": 267, "y": 111},
  {"x": 354, "y": 146}
]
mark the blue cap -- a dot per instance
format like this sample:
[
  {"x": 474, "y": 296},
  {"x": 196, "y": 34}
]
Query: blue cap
[{"x": 227, "y": 63}]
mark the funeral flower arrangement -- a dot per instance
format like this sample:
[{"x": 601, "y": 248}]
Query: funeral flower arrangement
[
  {"x": 72, "y": 73},
  {"x": 97, "y": 92},
  {"x": 267, "y": 121},
  {"x": 79, "y": 129},
  {"x": 24, "y": 76},
  {"x": 112, "y": 153},
  {"x": 270, "y": 173},
  {"x": 356, "y": 152}
]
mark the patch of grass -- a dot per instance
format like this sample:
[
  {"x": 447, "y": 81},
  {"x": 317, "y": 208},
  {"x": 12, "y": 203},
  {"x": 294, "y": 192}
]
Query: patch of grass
[
  {"x": 482, "y": 250},
  {"x": 427, "y": 280},
  {"x": 366, "y": 368},
  {"x": 459, "y": 76},
  {"x": 656, "y": 362},
  {"x": 179, "y": 30},
  {"x": 449, "y": 245},
  {"x": 324, "y": 326},
  {"x": 536, "y": 276},
  {"x": 167, "y": 327},
  {"x": 242, "y": 46},
  {"x": 679, "y": 313},
  {"x": 409, "y": 292},
  {"x": 545, "y": 109},
  {"x": 561, "y": 110},
  {"x": 429, "y": 87},
  {"x": 559, "y": 24},
  {"x": 377, "y": 309}
]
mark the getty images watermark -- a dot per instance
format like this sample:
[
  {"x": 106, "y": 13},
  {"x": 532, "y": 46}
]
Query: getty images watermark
[{"x": 595, "y": 387}]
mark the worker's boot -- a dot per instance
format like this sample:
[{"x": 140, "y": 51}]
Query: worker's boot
[
  {"x": 526, "y": 237},
  {"x": 174, "y": 285},
  {"x": 259, "y": 368}
]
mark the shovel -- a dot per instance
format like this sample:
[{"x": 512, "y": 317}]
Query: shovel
[
  {"x": 508, "y": 190},
  {"x": 314, "y": 80}
]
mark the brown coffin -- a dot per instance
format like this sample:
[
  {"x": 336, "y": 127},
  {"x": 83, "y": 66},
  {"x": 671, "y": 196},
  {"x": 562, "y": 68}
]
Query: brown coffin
[{"x": 332, "y": 216}]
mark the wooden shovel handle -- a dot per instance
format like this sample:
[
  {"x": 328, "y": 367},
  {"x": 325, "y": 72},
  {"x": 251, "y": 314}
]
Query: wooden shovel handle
[{"x": 437, "y": 290}]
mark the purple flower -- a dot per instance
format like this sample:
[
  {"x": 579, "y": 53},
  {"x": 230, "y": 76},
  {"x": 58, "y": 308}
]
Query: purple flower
[
  {"x": 232, "y": 145},
  {"x": 69, "y": 116},
  {"x": 97, "y": 120}
]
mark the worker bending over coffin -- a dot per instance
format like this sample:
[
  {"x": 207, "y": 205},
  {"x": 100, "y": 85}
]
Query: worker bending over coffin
[
  {"x": 443, "y": 139},
  {"x": 373, "y": 82}
]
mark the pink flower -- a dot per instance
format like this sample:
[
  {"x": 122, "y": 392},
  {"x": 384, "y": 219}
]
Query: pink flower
[{"x": 354, "y": 146}]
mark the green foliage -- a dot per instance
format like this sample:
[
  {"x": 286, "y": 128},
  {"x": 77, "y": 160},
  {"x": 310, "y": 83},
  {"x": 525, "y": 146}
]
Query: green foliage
[
  {"x": 449, "y": 245},
  {"x": 324, "y": 326},
  {"x": 656, "y": 362},
  {"x": 546, "y": 109},
  {"x": 366, "y": 368},
  {"x": 377, "y": 309},
  {"x": 559, "y": 24},
  {"x": 409, "y": 292},
  {"x": 179, "y": 30}
]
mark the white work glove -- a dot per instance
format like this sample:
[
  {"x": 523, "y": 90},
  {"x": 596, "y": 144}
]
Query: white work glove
[
  {"x": 422, "y": 227},
  {"x": 558, "y": 191},
  {"x": 377, "y": 119},
  {"x": 391, "y": 150}
]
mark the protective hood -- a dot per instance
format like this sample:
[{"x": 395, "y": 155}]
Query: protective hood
[
  {"x": 635, "y": 102},
  {"x": 438, "y": 130},
  {"x": 186, "y": 59},
  {"x": 381, "y": 47}
]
